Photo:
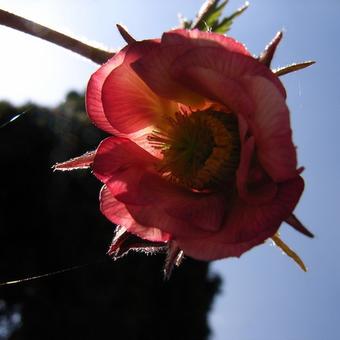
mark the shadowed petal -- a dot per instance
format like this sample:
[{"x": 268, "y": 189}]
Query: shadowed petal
[
  {"x": 178, "y": 211},
  {"x": 246, "y": 226},
  {"x": 129, "y": 172},
  {"x": 188, "y": 68},
  {"x": 155, "y": 69},
  {"x": 155, "y": 72},
  {"x": 218, "y": 88},
  {"x": 117, "y": 213},
  {"x": 253, "y": 185},
  {"x": 271, "y": 129}
]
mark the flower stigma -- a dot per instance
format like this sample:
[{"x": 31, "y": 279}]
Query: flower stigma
[{"x": 200, "y": 150}]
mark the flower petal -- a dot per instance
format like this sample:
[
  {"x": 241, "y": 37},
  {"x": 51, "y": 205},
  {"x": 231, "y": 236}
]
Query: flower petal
[
  {"x": 129, "y": 172},
  {"x": 155, "y": 72},
  {"x": 174, "y": 209},
  {"x": 219, "y": 88},
  {"x": 205, "y": 39},
  {"x": 271, "y": 128},
  {"x": 233, "y": 80},
  {"x": 129, "y": 104},
  {"x": 94, "y": 106},
  {"x": 254, "y": 185},
  {"x": 246, "y": 226},
  {"x": 188, "y": 68},
  {"x": 116, "y": 154},
  {"x": 117, "y": 213},
  {"x": 155, "y": 69}
]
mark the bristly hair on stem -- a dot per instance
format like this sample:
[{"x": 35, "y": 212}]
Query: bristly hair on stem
[{"x": 16, "y": 22}]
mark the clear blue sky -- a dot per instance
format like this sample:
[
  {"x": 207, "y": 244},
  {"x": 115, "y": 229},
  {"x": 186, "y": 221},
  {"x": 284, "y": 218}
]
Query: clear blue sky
[{"x": 265, "y": 295}]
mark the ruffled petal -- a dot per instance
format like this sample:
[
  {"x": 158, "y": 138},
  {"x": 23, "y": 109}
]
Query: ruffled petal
[
  {"x": 188, "y": 69},
  {"x": 271, "y": 129},
  {"x": 129, "y": 173},
  {"x": 219, "y": 88},
  {"x": 234, "y": 81},
  {"x": 253, "y": 184},
  {"x": 246, "y": 225},
  {"x": 155, "y": 69},
  {"x": 198, "y": 38},
  {"x": 94, "y": 105},
  {"x": 117, "y": 213},
  {"x": 129, "y": 104},
  {"x": 116, "y": 154},
  {"x": 173, "y": 208}
]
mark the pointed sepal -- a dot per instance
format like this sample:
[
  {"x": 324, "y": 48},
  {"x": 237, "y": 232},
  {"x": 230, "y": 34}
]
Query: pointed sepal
[
  {"x": 81, "y": 162},
  {"x": 289, "y": 252},
  {"x": 124, "y": 242},
  {"x": 293, "y": 221},
  {"x": 174, "y": 257},
  {"x": 267, "y": 55},
  {"x": 129, "y": 39},
  {"x": 292, "y": 68}
]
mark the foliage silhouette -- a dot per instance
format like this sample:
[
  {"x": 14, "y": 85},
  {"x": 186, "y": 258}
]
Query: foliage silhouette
[{"x": 51, "y": 220}]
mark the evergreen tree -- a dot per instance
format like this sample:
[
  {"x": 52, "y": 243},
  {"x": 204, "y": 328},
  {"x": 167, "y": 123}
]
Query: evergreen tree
[{"x": 51, "y": 220}]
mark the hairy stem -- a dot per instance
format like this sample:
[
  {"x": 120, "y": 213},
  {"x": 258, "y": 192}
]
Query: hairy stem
[{"x": 24, "y": 25}]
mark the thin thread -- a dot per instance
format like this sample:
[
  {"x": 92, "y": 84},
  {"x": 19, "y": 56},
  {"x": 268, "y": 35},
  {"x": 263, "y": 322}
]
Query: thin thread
[
  {"x": 14, "y": 118},
  {"x": 36, "y": 277}
]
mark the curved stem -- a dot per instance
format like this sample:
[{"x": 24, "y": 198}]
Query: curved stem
[{"x": 27, "y": 26}]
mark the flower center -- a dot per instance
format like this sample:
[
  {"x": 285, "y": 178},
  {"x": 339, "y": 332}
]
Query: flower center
[{"x": 200, "y": 150}]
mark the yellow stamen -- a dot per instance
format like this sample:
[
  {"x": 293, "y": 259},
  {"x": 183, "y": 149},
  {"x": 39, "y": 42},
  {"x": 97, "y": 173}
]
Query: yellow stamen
[
  {"x": 285, "y": 248},
  {"x": 200, "y": 149}
]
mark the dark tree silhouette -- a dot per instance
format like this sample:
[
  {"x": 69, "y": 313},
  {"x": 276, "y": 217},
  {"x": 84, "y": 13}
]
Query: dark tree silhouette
[{"x": 51, "y": 220}]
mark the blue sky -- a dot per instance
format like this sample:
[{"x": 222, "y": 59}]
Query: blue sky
[{"x": 265, "y": 295}]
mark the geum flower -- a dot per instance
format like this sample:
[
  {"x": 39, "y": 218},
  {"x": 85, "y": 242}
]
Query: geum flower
[{"x": 201, "y": 157}]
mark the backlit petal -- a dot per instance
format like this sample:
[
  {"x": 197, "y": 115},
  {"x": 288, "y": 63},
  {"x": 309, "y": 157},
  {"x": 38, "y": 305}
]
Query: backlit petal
[
  {"x": 129, "y": 104},
  {"x": 94, "y": 105},
  {"x": 155, "y": 68},
  {"x": 224, "y": 63},
  {"x": 116, "y": 154},
  {"x": 117, "y": 213},
  {"x": 129, "y": 172},
  {"x": 204, "y": 39},
  {"x": 271, "y": 128}
]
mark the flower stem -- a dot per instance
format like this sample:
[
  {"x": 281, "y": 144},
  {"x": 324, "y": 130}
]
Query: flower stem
[{"x": 24, "y": 25}]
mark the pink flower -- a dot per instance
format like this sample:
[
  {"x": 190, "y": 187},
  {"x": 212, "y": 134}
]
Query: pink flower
[{"x": 201, "y": 152}]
